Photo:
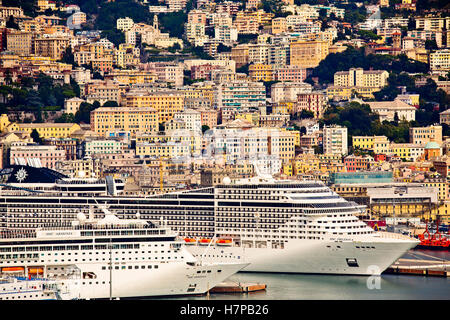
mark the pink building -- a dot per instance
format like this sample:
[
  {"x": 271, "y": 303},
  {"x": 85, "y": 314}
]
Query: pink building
[
  {"x": 197, "y": 16},
  {"x": 202, "y": 71},
  {"x": 313, "y": 101},
  {"x": 290, "y": 73},
  {"x": 47, "y": 155},
  {"x": 357, "y": 163}
]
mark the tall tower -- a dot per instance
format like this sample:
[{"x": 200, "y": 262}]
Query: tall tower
[
  {"x": 397, "y": 40},
  {"x": 155, "y": 22}
]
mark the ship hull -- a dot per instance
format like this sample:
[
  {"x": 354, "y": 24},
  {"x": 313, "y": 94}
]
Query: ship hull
[
  {"x": 170, "y": 279},
  {"x": 312, "y": 256}
]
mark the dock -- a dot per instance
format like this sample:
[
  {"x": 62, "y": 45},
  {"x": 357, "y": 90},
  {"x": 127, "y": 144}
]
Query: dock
[
  {"x": 420, "y": 267},
  {"x": 234, "y": 287}
]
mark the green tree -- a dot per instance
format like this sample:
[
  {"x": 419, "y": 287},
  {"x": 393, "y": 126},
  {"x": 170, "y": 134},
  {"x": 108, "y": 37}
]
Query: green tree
[
  {"x": 110, "y": 104},
  {"x": 205, "y": 128},
  {"x": 114, "y": 35},
  {"x": 36, "y": 137}
]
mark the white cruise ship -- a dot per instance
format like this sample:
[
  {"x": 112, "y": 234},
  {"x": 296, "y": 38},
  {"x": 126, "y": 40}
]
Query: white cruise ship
[
  {"x": 296, "y": 227},
  {"x": 275, "y": 225},
  {"x": 111, "y": 258}
]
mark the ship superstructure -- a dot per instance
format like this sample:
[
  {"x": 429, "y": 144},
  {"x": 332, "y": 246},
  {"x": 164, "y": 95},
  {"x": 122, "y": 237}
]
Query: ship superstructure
[{"x": 275, "y": 225}]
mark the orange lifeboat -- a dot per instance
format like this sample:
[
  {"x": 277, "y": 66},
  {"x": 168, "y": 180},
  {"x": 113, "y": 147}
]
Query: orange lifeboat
[
  {"x": 190, "y": 240},
  {"x": 13, "y": 269},
  {"x": 35, "y": 270},
  {"x": 205, "y": 241},
  {"x": 224, "y": 242}
]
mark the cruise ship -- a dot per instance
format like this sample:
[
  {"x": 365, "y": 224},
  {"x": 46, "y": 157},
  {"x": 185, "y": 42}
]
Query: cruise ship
[
  {"x": 111, "y": 258},
  {"x": 275, "y": 225}
]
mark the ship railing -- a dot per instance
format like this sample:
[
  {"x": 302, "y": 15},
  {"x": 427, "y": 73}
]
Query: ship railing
[{"x": 392, "y": 235}]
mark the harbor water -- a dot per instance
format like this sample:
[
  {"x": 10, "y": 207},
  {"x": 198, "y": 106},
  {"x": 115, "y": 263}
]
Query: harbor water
[{"x": 340, "y": 287}]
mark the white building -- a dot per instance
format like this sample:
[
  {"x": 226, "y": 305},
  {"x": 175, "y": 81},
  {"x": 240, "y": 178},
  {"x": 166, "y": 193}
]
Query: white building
[
  {"x": 225, "y": 33},
  {"x": 124, "y": 24},
  {"x": 192, "y": 119},
  {"x": 387, "y": 110},
  {"x": 288, "y": 91},
  {"x": 72, "y": 105},
  {"x": 335, "y": 140}
]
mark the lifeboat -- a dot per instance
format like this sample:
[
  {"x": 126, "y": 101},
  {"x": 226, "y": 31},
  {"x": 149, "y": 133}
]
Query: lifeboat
[
  {"x": 35, "y": 270},
  {"x": 205, "y": 241},
  {"x": 224, "y": 242},
  {"x": 190, "y": 240},
  {"x": 13, "y": 269}
]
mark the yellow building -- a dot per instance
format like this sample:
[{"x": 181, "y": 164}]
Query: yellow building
[
  {"x": 346, "y": 93},
  {"x": 377, "y": 144},
  {"x": 45, "y": 130},
  {"x": 132, "y": 119},
  {"x": 200, "y": 90},
  {"x": 444, "y": 212},
  {"x": 166, "y": 103},
  {"x": 288, "y": 169},
  {"x": 163, "y": 150},
  {"x": 283, "y": 107},
  {"x": 442, "y": 186},
  {"x": 171, "y": 137},
  {"x": 296, "y": 135},
  {"x": 407, "y": 151},
  {"x": 305, "y": 163},
  {"x": 130, "y": 77},
  {"x": 260, "y": 72},
  {"x": 308, "y": 54},
  {"x": 20, "y": 42}
]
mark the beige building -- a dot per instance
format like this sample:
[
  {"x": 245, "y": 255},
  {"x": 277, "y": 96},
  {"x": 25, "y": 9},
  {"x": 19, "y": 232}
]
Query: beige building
[
  {"x": 444, "y": 117},
  {"x": 240, "y": 55},
  {"x": 423, "y": 135},
  {"x": 52, "y": 47},
  {"x": 72, "y": 105},
  {"x": 387, "y": 110},
  {"x": 357, "y": 77},
  {"x": 308, "y": 54},
  {"x": 132, "y": 119},
  {"x": 279, "y": 25},
  {"x": 166, "y": 103},
  {"x": 20, "y": 42}
]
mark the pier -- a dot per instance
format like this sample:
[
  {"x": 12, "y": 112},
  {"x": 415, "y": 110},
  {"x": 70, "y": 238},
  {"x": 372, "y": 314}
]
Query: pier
[
  {"x": 234, "y": 287},
  {"x": 436, "y": 268}
]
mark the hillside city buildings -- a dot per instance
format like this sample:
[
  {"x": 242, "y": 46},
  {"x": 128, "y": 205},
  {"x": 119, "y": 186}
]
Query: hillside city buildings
[{"x": 236, "y": 89}]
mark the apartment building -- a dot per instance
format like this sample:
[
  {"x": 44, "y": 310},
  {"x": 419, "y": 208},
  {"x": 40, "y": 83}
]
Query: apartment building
[
  {"x": 47, "y": 155},
  {"x": 335, "y": 140},
  {"x": 423, "y": 135},
  {"x": 132, "y": 119},
  {"x": 308, "y": 54},
  {"x": 166, "y": 103},
  {"x": 357, "y": 77}
]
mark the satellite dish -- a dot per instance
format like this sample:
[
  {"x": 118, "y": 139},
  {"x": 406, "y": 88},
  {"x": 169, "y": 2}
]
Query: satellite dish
[
  {"x": 81, "y": 174},
  {"x": 226, "y": 180}
]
